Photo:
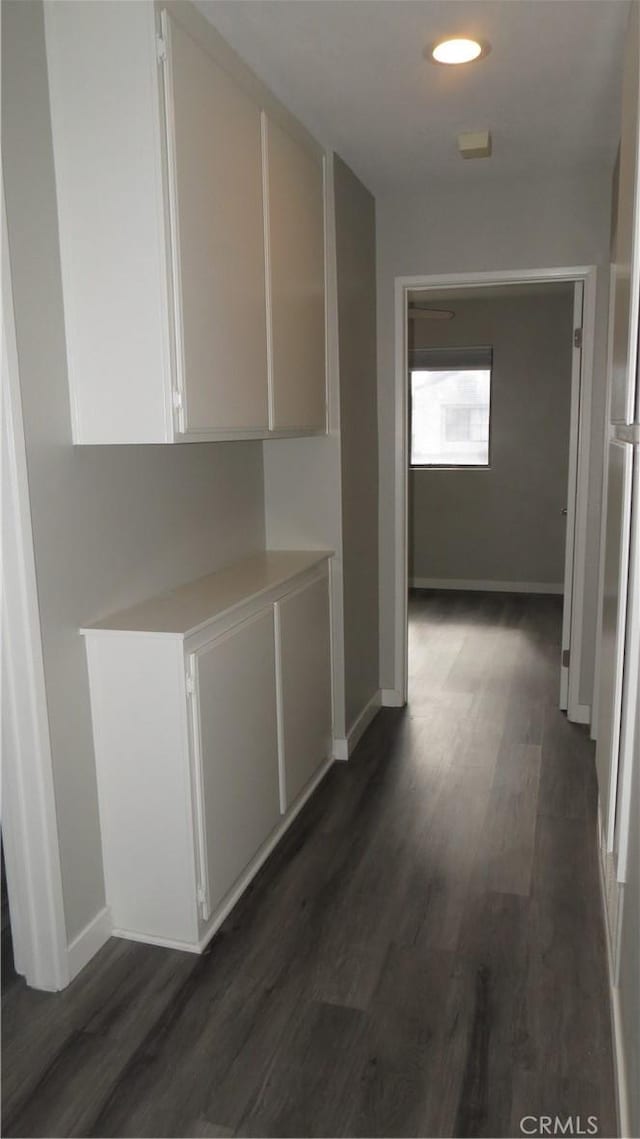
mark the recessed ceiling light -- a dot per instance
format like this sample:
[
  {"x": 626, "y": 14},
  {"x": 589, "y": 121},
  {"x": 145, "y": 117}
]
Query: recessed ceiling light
[{"x": 458, "y": 51}]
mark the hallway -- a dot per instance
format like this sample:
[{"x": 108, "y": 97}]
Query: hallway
[{"x": 423, "y": 955}]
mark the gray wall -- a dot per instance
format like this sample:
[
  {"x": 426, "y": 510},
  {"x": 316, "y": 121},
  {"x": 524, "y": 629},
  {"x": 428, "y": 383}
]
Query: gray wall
[
  {"x": 461, "y": 228},
  {"x": 504, "y": 523},
  {"x": 356, "y": 273},
  {"x": 111, "y": 524}
]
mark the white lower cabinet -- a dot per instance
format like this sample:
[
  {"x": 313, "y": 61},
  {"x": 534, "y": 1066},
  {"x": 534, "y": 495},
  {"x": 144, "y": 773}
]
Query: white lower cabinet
[
  {"x": 302, "y": 620},
  {"x": 236, "y": 751},
  {"x": 211, "y": 711}
]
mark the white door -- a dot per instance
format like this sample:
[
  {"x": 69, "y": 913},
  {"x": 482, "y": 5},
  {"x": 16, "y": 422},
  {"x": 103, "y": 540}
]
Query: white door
[
  {"x": 630, "y": 706},
  {"x": 624, "y": 333},
  {"x": 570, "y": 509},
  {"x": 612, "y": 633},
  {"x": 237, "y": 752},
  {"x": 29, "y": 821},
  {"x": 215, "y": 182},
  {"x": 296, "y": 269},
  {"x": 302, "y": 632}
]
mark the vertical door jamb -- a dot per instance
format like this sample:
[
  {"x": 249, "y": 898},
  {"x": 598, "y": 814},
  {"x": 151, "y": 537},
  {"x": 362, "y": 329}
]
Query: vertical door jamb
[
  {"x": 584, "y": 278},
  {"x": 570, "y": 511},
  {"x": 29, "y": 820}
]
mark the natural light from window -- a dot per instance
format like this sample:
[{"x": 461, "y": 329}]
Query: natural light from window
[{"x": 450, "y": 417}]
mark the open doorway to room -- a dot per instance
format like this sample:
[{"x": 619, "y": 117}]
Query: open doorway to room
[{"x": 495, "y": 382}]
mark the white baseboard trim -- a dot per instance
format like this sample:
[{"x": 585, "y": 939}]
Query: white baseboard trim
[
  {"x": 619, "y": 1059},
  {"x": 340, "y": 748},
  {"x": 486, "y": 586},
  {"x": 89, "y": 941},
  {"x": 619, "y": 1066},
  {"x": 162, "y": 942},
  {"x": 580, "y": 714},
  {"x": 343, "y": 746},
  {"x": 391, "y": 698}
]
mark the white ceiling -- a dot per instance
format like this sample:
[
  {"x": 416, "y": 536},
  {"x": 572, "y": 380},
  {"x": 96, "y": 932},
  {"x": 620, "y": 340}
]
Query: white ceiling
[{"x": 354, "y": 72}]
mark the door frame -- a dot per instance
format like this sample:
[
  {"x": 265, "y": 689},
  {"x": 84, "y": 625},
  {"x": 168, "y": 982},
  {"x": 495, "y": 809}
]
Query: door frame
[
  {"x": 29, "y": 820},
  {"x": 578, "y": 459},
  {"x": 607, "y": 434},
  {"x": 568, "y": 632}
]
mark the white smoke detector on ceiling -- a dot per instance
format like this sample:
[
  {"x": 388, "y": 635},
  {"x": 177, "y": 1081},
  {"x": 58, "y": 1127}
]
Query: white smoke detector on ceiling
[{"x": 475, "y": 144}]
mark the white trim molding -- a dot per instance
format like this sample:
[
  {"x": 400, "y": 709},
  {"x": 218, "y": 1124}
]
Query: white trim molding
[
  {"x": 619, "y": 1066},
  {"x": 611, "y": 897},
  {"x": 606, "y": 432},
  {"x": 90, "y": 939},
  {"x": 344, "y": 746},
  {"x": 587, "y": 274},
  {"x": 579, "y": 714},
  {"x": 463, "y": 584},
  {"x": 392, "y": 698},
  {"x": 29, "y": 821},
  {"x": 332, "y": 355}
]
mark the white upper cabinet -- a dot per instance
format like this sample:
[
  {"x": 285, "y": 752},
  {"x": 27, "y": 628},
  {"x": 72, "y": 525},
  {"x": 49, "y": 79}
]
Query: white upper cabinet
[
  {"x": 296, "y": 277},
  {"x": 105, "y": 119},
  {"x": 217, "y": 217},
  {"x": 192, "y": 261}
]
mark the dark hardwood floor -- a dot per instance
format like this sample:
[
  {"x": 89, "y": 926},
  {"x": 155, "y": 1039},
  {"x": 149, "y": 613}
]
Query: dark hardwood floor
[{"x": 422, "y": 956}]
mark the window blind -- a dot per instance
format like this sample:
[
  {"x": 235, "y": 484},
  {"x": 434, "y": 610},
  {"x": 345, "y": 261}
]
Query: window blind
[{"x": 450, "y": 359}]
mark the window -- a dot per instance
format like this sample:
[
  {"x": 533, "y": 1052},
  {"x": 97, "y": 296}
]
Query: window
[
  {"x": 465, "y": 424},
  {"x": 450, "y": 408}
]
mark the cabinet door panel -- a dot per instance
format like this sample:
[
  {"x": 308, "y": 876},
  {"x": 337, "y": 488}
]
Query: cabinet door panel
[
  {"x": 236, "y": 699},
  {"x": 614, "y": 606},
  {"x": 215, "y": 160},
  {"x": 305, "y": 686},
  {"x": 296, "y": 256}
]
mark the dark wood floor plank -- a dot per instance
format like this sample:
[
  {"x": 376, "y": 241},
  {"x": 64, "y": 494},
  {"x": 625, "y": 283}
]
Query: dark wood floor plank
[
  {"x": 565, "y": 1009},
  {"x": 511, "y": 820},
  {"x": 96, "y": 1042},
  {"x": 309, "y": 1085},
  {"x": 493, "y": 948},
  {"x": 406, "y": 1028},
  {"x": 443, "y": 869},
  {"x": 202, "y": 1129},
  {"x": 568, "y": 786},
  {"x": 423, "y": 954},
  {"x": 550, "y": 1096}
]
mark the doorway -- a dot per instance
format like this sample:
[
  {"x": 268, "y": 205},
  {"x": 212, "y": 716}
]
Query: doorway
[{"x": 473, "y": 421}]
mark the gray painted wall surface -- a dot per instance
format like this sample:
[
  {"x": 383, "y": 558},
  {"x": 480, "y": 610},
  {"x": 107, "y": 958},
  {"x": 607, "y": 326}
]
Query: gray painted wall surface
[
  {"x": 356, "y": 269},
  {"x": 521, "y": 224},
  {"x": 112, "y": 524},
  {"x": 504, "y": 523}
]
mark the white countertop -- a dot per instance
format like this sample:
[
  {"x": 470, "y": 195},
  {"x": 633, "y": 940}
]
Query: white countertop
[{"x": 184, "y": 610}]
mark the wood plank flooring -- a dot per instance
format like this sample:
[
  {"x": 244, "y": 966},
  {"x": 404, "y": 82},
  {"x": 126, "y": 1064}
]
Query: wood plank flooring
[{"x": 422, "y": 956}]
